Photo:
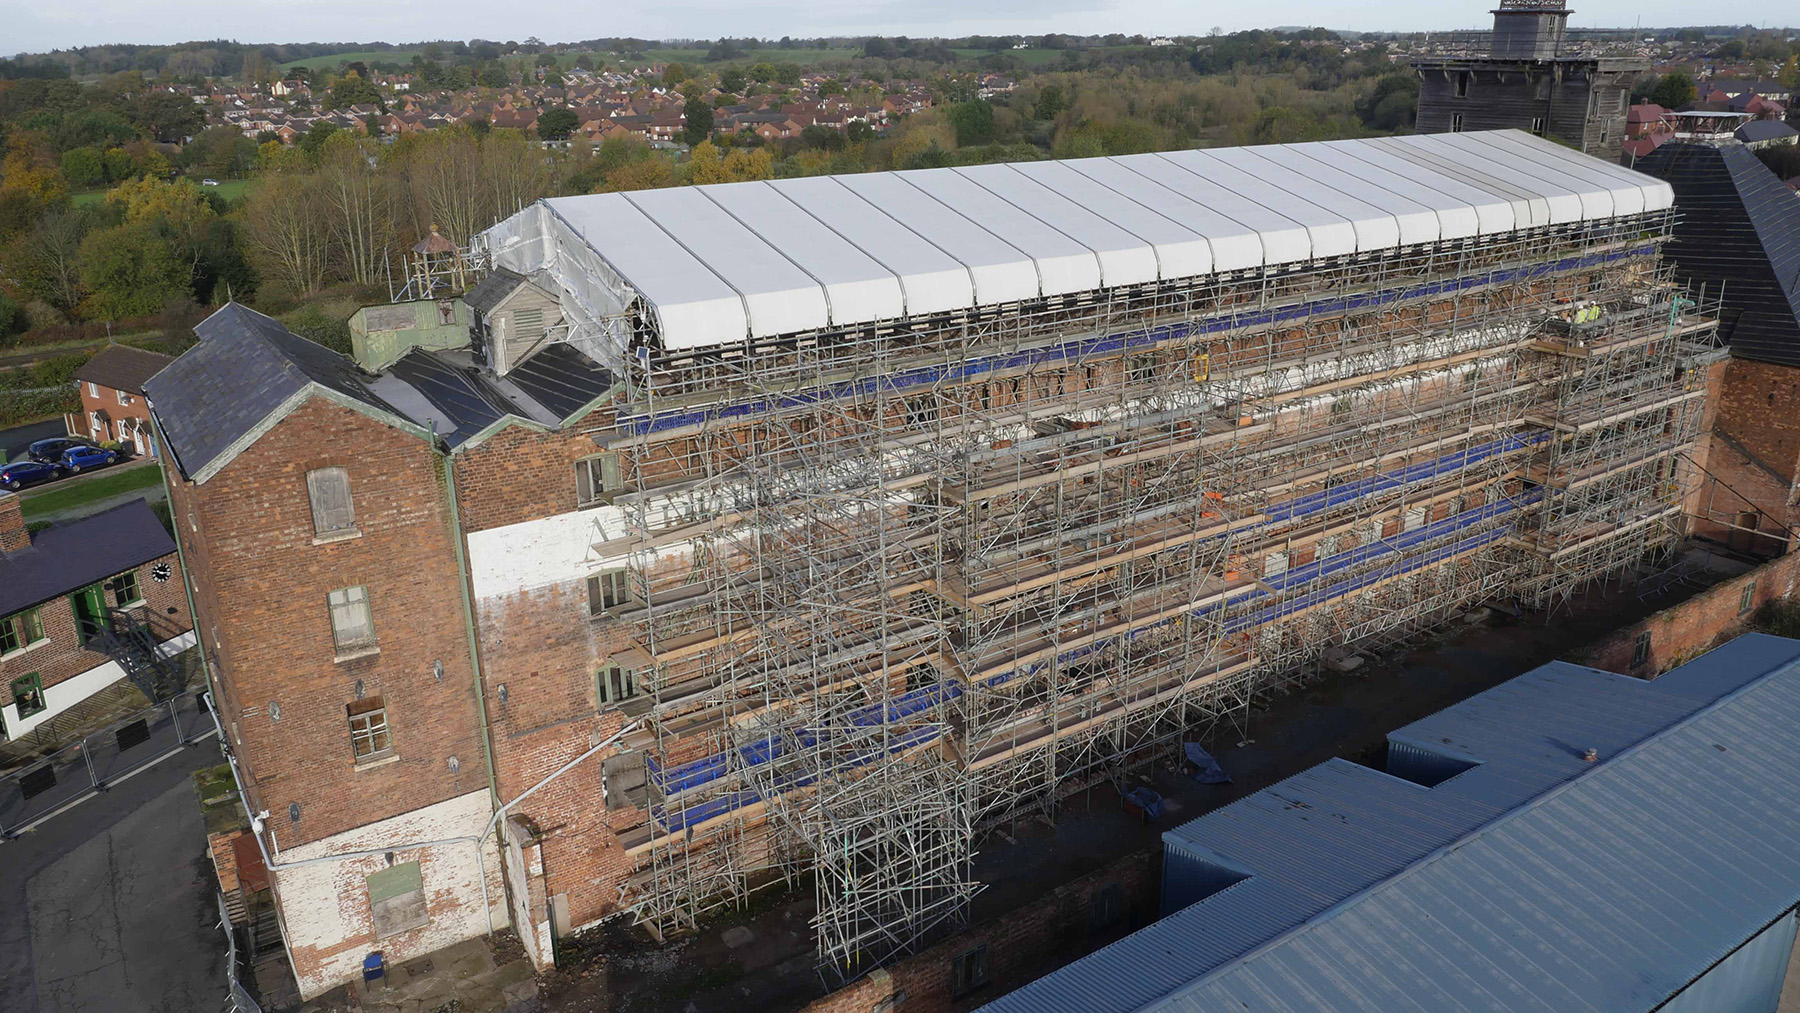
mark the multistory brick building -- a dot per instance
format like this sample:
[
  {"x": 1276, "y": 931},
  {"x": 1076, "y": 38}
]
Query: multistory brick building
[
  {"x": 113, "y": 409},
  {"x": 70, "y": 597},
  {"x": 807, "y": 529}
]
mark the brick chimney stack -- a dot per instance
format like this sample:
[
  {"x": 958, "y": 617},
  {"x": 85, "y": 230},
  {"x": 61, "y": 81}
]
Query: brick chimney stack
[{"x": 13, "y": 536}]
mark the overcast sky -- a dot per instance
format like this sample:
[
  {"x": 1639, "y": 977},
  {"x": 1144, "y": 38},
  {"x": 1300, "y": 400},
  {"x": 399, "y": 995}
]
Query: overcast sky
[{"x": 38, "y": 25}]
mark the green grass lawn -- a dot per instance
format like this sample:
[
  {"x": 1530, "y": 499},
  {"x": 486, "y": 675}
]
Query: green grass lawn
[
  {"x": 57, "y": 497},
  {"x": 230, "y": 189},
  {"x": 697, "y": 57}
]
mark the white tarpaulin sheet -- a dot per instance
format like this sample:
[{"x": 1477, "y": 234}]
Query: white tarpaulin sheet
[{"x": 716, "y": 265}]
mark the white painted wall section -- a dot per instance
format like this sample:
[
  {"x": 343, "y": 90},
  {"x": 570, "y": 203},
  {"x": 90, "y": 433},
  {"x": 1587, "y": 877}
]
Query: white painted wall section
[{"x": 325, "y": 906}]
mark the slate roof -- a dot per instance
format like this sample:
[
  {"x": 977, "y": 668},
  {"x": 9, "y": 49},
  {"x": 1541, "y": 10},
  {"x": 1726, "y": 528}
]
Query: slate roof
[
  {"x": 489, "y": 291},
  {"x": 1739, "y": 226},
  {"x": 1533, "y": 880},
  {"x": 247, "y": 367},
  {"x": 1763, "y": 130},
  {"x": 244, "y": 369},
  {"x": 75, "y": 554},
  {"x": 122, "y": 367}
]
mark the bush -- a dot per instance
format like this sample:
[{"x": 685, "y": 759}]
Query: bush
[
  {"x": 1778, "y": 616},
  {"x": 312, "y": 324}
]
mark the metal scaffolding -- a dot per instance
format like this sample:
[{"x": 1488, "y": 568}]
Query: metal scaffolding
[{"x": 896, "y": 584}]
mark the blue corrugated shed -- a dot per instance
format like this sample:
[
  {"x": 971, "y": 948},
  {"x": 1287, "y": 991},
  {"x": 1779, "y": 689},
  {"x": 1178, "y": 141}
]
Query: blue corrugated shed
[{"x": 1530, "y": 879}]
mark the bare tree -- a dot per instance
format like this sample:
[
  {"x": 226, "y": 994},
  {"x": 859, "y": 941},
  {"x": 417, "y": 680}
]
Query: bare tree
[
  {"x": 444, "y": 171},
  {"x": 287, "y": 230},
  {"x": 515, "y": 171},
  {"x": 363, "y": 201}
]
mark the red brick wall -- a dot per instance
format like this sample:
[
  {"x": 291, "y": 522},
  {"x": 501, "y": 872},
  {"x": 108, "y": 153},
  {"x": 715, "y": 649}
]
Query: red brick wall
[
  {"x": 1023, "y": 944},
  {"x": 520, "y": 474},
  {"x": 1680, "y": 632},
  {"x": 165, "y": 610},
  {"x": 106, "y": 400},
  {"x": 1753, "y": 453},
  {"x": 261, "y": 592}
]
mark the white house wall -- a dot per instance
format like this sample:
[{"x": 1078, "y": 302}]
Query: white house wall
[{"x": 325, "y": 906}]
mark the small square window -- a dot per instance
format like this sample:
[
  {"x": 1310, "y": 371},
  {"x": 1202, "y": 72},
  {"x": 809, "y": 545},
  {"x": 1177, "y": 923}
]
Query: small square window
[
  {"x": 969, "y": 971},
  {"x": 1456, "y": 123},
  {"x": 608, "y": 590},
  {"x": 615, "y": 684},
  {"x": 1640, "y": 650},
  {"x": 124, "y": 589},
  {"x": 368, "y": 729},
  {"x": 28, "y": 694},
  {"x": 1747, "y": 598},
  {"x": 351, "y": 626},
  {"x": 93, "y": 389},
  {"x": 597, "y": 479}
]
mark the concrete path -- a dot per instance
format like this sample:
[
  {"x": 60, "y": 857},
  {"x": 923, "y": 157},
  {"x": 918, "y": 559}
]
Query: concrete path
[{"x": 110, "y": 906}]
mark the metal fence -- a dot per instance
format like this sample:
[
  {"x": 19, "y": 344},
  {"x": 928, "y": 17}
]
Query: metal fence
[
  {"x": 99, "y": 759},
  {"x": 238, "y": 1000}
]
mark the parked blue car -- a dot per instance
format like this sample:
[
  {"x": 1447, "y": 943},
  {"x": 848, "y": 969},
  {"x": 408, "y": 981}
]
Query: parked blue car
[
  {"x": 50, "y": 451},
  {"x": 24, "y": 473},
  {"x": 76, "y": 458}
]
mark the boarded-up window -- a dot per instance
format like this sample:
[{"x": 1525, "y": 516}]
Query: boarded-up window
[
  {"x": 350, "y": 623},
  {"x": 397, "y": 899},
  {"x": 596, "y": 478},
  {"x": 625, "y": 781},
  {"x": 615, "y": 684},
  {"x": 329, "y": 489}
]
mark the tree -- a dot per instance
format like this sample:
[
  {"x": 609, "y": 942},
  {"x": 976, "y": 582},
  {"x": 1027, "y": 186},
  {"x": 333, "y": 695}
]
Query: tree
[
  {"x": 352, "y": 89},
  {"x": 287, "y": 233},
  {"x": 1790, "y": 73},
  {"x": 674, "y": 74},
  {"x": 494, "y": 76},
  {"x": 363, "y": 204},
  {"x": 556, "y": 124},
  {"x": 45, "y": 261},
  {"x": 131, "y": 271},
  {"x": 699, "y": 121},
  {"x": 1050, "y": 102},
  {"x": 1392, "y": 104},
  {"x": 642, "y": 174},
  {"x": 1675, "y": 90},
  {"x": 313, "y": 141},
  {"x": 788, "y": 73},
  {"x": 731, "y": 79},
  {"x": 973, "y": 122},
  {"x": 83, "y": 168},
  {"x": 166, "y": 116}
]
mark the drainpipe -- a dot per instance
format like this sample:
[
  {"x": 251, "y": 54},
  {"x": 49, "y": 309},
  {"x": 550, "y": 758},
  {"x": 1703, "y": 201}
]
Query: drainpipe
[
  {"x": 187, "y": 585},
  {"x": 468, "y": 599}
]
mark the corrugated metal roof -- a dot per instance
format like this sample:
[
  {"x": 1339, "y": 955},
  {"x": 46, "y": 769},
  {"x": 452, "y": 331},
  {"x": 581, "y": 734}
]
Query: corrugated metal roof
[
  {"x": 1533, "y": 880},
  {"x": 718, "y": 264}
]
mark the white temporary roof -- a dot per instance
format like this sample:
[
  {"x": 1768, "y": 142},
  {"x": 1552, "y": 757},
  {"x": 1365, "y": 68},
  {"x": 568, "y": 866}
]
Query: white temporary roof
[{"x": 715, "y": 265}]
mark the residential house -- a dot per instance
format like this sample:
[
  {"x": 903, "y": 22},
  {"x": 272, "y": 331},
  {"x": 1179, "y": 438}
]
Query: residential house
[
  {"x": 68, "y": 596},
  {"x": 112, "y": 398}
]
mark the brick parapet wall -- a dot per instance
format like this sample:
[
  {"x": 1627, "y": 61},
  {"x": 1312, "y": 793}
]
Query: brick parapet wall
[
  {"x": 1753, "y": 454},
  {"x": 1680, "y": 632}
]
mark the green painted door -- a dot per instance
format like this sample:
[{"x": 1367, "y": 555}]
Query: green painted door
[{"x": 89, "y": 606}]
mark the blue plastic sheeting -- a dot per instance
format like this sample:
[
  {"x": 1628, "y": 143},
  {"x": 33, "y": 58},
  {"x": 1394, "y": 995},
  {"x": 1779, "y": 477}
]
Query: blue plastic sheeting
[
  {"x": 684, "y": 817},
  {"x": 1075, "y": 351},
  {"x": 1206, "y": 767}
]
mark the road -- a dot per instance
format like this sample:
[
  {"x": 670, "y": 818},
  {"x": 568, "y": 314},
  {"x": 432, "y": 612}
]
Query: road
[
  {"x": 110, "y": 906},
  {"x": 14, "y": 441}
]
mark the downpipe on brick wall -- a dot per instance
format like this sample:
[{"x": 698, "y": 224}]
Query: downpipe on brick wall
[{"x": 257, "y": 825}]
